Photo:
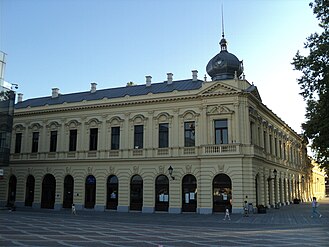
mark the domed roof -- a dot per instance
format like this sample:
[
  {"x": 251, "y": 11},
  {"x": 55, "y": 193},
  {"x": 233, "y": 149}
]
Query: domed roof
[{"x": 224, "y": 65}]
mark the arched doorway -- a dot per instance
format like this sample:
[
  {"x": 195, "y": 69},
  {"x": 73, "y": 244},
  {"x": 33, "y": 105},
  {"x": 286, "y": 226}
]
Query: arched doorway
[
  {"x": 90, "y": 192},
  {"x": 189, "y": 194},
  {"x": 112, "y": 192},
  {"x": 29, "y": 191},
  {"x": 68, "y": 191},
  {"x": 48, "y": 191},
  {"x": 161, "y": 193},
  {"x": 222, "y": 193},
  {"x": 257, "y": 189},
  {"x": 136, "y": 193},
  {"x": 12, "y": 190}
]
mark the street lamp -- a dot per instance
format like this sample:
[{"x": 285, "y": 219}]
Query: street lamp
[{"x": 170, "y": 170}]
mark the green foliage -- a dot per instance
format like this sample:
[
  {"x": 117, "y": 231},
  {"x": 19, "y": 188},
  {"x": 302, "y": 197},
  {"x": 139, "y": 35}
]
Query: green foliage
[{"x": 314, "y": 84}]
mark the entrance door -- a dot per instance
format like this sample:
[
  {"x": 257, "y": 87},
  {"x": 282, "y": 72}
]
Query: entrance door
[
  {"x": 112, "y": 192},
  {"x": 68, "y": 191},
  {"x": 161, "y": 193},
  {"x": 222, "y": 193},
  {"x": 136, "y": 193},
  {"x": 189, "y": 193},
  {"x": 29, "y": 191},
  {"x": 48, "y": 191},
  {"x": 12, "y": 191},
  {"x": 90, "y": 192}
]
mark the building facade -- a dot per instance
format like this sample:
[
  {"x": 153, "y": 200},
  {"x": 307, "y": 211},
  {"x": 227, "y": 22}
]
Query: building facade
[{"x": 175, "y": 146}]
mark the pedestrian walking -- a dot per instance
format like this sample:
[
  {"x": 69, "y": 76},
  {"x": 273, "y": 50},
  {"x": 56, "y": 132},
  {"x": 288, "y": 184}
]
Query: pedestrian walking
[
  {"x": 315, "y": 206},
  {"x": 74, "y": 210},
  {"x": 227, "y": 214}
]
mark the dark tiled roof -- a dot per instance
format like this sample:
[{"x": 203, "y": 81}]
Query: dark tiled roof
[{"x": 111, "y": 93}]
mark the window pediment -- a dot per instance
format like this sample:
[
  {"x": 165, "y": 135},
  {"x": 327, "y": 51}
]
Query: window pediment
[{"x": 219, "y": 109}]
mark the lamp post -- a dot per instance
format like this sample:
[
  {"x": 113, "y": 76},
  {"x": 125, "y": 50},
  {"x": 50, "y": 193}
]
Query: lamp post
[{"x": 170, "y": 170}]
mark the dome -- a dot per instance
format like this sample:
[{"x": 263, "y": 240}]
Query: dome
[{"x": 224, "y": 65}]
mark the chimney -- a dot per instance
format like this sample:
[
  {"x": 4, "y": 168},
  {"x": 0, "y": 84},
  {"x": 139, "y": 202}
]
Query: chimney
[
  {"x": 93, "y": 87},
  {"x": 148, "y": 80},
  {"x": 20, "y": 97},
  {"x": 194, "y": 75},
  {"x": 55, "y": 92},
  {"x": 169, "y": 78}
]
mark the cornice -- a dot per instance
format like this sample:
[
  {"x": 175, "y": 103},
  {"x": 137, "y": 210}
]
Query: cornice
[{"x": 66, "y": 108}]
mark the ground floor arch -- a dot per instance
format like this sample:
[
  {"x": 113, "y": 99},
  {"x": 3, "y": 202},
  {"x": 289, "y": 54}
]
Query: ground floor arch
[
  {"x": 12, "y": 190},
  {"x": 161, "y": 193},
  {"x": 112, "y": 192},
  {"x": 29, "y": 191},
  {"x": 48, "y": 191},
  {"x": 136, "y": 193},
  {"x": 90, "y": 192},
  {"x": 189, "y": 193},
  {"x": 68, "y": 191},
  {"x": 222, "y": 193}
]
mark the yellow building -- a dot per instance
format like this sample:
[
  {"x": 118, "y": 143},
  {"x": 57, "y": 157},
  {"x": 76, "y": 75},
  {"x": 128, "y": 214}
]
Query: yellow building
[{"x": 177, "y": 146}]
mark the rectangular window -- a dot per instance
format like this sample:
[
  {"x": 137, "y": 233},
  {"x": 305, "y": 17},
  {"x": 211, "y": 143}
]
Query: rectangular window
[
  {"x": 284, "y": 151},
  {"x": 138, "y": 136},
  {"x": 251, "y": 133},
  {"x": 280, "y": 149},
  {"x": 271, "y": 145},
  {"x": 221, "y": 132},
  {"x": 35, "y": 142},
  {"x": 163, "y": 135},
  {"x": 276, "y": 146},
  {"x": 115, "y": 138},
  {"x": 264, "y": 136},
  {"x": 53, "y": 141},
  {"x": 93, "y": 138},
  {"x": 189, "y": 134},
  {"x": 73, "y": 140},
  {"x": 18, "y": 143}
]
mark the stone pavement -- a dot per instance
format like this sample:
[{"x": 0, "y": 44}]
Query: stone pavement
[{"x": 288, "y": 226}]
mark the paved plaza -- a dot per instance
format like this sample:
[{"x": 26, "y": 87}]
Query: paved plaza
[{"x": 288, "y": 226}]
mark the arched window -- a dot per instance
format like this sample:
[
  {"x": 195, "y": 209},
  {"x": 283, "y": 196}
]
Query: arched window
[
  {"x": 48, "y": 191},
  {"x": 90, "y": 192},
  {"x": 189, "y": 194},
  {"x": 161, "y": 193},
  {"x": 222, "y": 193},
  {"x": 68, "y": 191},
  {"x": 136, "y": 193},
  {"x": 29, "y": 191},
  {"x": 112, "y": 192},
  {"x": 12, "y": 190}
]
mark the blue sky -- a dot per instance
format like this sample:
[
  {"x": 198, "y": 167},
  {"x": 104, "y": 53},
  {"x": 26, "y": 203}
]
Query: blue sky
[{"x": 70, "y": 43}]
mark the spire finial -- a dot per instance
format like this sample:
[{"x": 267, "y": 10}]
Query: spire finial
[
  {"x": 222, "y": 23},
  {"x": 223, "y": 43}
]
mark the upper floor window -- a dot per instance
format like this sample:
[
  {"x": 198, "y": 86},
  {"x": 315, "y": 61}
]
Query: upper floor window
[
  {"x": 221, "y": 132},
  {"x": 163, "y": 135},
  {"x": 138, "y": 136},
  {"x": 276, "y": 146},
  {"x": 189, "y": 134},
  {"x": 53, "y": 141},
  {"x": 35, "y": 142},
  {"x": 265, "y": 139},
  {"x": 115, "y": 138},
  {"x": 251, "y": 133},
  {"x": 93, "y": 139},
  {"x": 280, "y": 149},
  {"x": 73, "y": 140},
  {"x": 18, "y": 143},
  {"x": 271, "y": 145}
]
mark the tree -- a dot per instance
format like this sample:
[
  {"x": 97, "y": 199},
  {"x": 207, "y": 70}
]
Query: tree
[{"x": 314, "y": 85}]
